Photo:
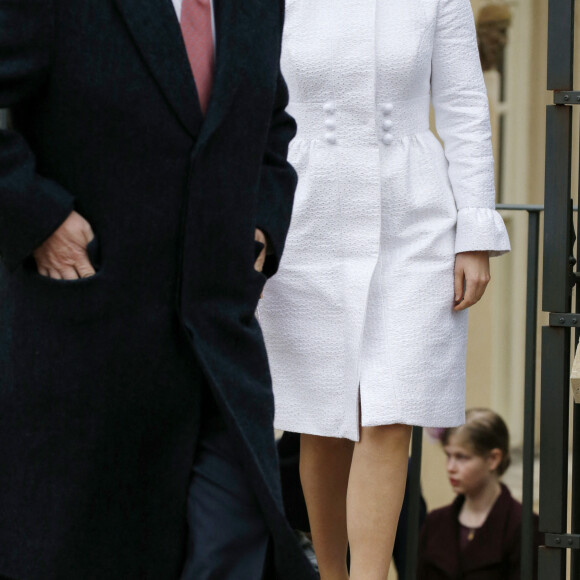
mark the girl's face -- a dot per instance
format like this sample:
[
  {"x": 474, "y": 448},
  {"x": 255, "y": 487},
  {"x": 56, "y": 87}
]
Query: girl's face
[{"x": 468, "y": 472}]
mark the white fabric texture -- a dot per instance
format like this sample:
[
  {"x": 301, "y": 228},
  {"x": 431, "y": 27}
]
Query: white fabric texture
[{"x": 361, "y": 309}]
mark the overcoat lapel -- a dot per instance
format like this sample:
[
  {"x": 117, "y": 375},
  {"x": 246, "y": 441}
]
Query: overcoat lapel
[
  {"x": 487, "y": 547},
  {"x": 237, "y": 24},
  {"x": 155, "y": 29}
]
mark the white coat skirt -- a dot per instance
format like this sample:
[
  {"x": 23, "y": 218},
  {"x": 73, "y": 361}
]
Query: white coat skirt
[{"x": 359, "y": 321}]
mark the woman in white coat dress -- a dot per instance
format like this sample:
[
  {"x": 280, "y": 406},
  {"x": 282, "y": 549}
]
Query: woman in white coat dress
[{"x": 390, "y": 240}]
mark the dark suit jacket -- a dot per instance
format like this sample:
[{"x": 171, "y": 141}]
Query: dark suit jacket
[
  {"x": 493, "y": 554},
  {"x": 101, "y": 379}
]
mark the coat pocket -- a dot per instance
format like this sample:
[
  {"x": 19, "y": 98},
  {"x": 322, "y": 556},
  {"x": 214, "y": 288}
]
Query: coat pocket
[
  {"x": 258, "y": 247},
  {"x": 62, "y": 302},
  {"x": 94, "y": 255}
]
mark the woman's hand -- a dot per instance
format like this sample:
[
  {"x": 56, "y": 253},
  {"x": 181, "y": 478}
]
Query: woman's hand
[{"x": 471, "y": 278}]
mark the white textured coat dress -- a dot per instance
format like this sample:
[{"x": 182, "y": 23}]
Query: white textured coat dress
[{"x": 362, "y": 307}]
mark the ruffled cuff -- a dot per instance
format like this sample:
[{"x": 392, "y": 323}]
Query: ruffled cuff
[{"x": 480, "y": 229}]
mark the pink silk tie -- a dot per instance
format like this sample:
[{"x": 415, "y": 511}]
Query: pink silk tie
[{"x": 198, "y": 37}]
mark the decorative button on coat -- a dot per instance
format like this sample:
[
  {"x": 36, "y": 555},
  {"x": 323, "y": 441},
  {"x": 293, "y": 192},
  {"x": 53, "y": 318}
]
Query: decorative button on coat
[
  {"x": 387, "y": 108},
  {"x": 362, "y": 306},
  {"x": 387, "y": 139},
  {"x": 329, "y": 107}
]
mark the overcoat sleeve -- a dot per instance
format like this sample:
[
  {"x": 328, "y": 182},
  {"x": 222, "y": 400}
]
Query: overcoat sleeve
[
  {"x": 462, "y": 118},
  {"x": 31, "y": 207},
  {"x": 278, "y": 179}
]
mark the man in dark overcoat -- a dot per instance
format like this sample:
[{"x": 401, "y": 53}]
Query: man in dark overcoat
[{"x": 128, "y": 342}]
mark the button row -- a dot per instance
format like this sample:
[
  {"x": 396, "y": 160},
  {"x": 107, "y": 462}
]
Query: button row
[
  {"x": 387, "y": 109},
  {"x": 330, "y": 122}
]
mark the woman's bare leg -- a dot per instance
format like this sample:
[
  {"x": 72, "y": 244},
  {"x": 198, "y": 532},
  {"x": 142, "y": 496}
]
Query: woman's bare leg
[
  {"x": 375, "y": 495},
  {"x": 324, "y": 471}
]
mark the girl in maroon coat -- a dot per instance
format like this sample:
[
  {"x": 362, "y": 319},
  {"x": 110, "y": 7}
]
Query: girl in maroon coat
[{"x": 477, "y": 537}]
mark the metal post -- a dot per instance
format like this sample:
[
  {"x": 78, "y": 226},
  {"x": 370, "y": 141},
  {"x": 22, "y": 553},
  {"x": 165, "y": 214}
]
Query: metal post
[
  {"x": 575, "y": 516},
  {"x": 527, "y": 547},
  {"x": 556, "y": 288},
  {"x": 560, "y": 45},
  {"x": 575, "y": 565},
  {"x": 414, "y": 482},
  {"x": 554, "y": 447},
  {"x": 556, "y": 292}
]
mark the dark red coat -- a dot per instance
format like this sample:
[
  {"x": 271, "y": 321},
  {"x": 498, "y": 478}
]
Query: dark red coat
[{"x": 493, "y": 554}]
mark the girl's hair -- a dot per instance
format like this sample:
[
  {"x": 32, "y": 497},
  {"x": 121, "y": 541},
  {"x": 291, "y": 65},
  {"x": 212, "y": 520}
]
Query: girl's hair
[{"x": 483, "y": 431}]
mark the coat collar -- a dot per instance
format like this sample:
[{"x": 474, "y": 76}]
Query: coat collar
[
  {"x": 155, "y": 30},
  {"x": 236, "y": 28},
  {"x": 486, "y": 548}
]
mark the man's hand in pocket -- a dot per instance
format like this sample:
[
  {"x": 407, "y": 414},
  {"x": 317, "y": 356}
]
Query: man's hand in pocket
[
  {"x": 63, "y": 256},
  {"x": 260, "y": 237}
]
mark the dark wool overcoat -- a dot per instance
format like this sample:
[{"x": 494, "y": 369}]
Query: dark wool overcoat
[
  {"x": 493, "y": 554},
  {"x": 101, "y": 379}
]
